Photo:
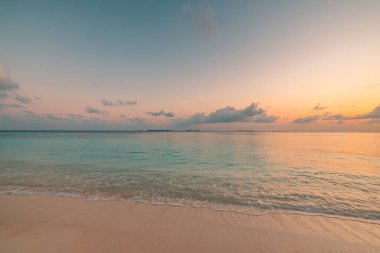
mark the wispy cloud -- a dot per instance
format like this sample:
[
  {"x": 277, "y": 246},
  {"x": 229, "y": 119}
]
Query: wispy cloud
[
  {"x": 3, "y": 106},
  {"x": 161, "y": 113},
  {"x": 264, "y": 118},
  {"x": 136, "y": 120},
  {"x": 119, "y": 102},
  {"x": 374, "y": 114},
  {"x": 305, "y": 120},
  {"x": 3, "y": 95},
  {"x": 8, "y": 88},
  {"x": 22, "y": 99},
  {"x": 340, "y": 118},
  {"x": 252, "y": 113},
  {"x": 50, "y": 121},
  {"x": 202, "y": 16},
  {"x": 319, "y": 107},
  {"x": 6, "y": 83},
  {"x": 93, "y": 110}
]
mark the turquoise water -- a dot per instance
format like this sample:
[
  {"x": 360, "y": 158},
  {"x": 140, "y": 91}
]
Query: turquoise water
[{"x": 318, "y": 173}]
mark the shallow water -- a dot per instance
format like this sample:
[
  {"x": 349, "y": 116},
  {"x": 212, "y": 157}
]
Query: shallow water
[{"x": 316, "y": 173}]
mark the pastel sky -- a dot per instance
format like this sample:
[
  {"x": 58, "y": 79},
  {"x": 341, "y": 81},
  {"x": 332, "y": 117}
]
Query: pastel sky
[{"x": 211, "y": 65}]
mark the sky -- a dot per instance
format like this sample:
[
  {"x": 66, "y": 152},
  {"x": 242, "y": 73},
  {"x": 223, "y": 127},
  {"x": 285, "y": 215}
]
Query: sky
[{"x": 286, "y": 65}]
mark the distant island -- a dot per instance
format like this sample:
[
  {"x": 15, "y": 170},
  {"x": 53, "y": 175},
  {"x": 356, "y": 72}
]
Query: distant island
[{"x": 158, "y": 130}]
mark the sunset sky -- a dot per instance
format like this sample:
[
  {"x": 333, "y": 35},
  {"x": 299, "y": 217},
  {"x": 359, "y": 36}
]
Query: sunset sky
[{"x": 209, "y": 65}]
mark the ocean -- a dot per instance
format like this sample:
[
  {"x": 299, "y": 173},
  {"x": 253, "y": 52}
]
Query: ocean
[{"x": 333, "y": 174}]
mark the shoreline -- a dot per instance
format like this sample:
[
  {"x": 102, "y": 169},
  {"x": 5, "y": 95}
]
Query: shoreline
[
  {"x": 40, "y": 223},
  {"x": 260, "y": 212}
]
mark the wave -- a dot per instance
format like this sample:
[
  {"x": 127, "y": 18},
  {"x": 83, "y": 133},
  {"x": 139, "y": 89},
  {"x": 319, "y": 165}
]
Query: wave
[{"x": 169, "y": 201}]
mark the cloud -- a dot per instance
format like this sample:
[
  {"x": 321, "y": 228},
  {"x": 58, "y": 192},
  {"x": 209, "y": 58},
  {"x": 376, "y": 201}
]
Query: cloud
[
  {"x": 197, "y": 118},
  {"x": 32, "y": 121},
  {"x": 93, "y": 110},
  {"x": 161, "y": 113},
  {"x": 52, "y": 116},
  {"x": 3, "y": 95},
  {"x": 202, "y": 16},
  {"x": 230, "y": 114},
  {"x": 136, "y": 120},
  {"x": 6, "y": 84},
  {"x": 71, "y": 117},
  {"x": 106, "y": 102},
  {"x": 29, "y": 120},
  {"x": 266, "y": 119},
  {"x": 374, "y": 114},
  {"x": 74, "y": 116},
  {"x": 340, "y": 118},
  {"x": 3, "y": 106},
  {"x": 22, "y": 99},
  {"x": 305, "y": 120},
  {"x": 252, "y": 113},
  {"x": 319, "y": 107}
]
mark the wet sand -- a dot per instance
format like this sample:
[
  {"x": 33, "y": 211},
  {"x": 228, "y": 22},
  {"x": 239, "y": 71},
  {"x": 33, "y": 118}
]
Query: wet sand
[{"x": 61, "y": 224}]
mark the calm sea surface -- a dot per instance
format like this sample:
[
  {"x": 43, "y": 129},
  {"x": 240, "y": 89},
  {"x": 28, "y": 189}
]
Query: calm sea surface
[{"x": 318, "y": 173}]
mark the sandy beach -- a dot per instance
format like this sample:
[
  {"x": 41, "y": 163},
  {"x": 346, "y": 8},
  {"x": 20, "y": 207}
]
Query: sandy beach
[{"x": 61, "y": 224}]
